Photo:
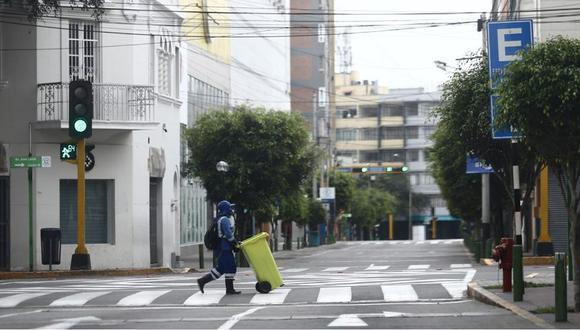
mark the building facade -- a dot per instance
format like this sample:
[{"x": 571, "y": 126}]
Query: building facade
[
  {"x": 133, "y": 59},
  {"x": 376, "y": 126}
]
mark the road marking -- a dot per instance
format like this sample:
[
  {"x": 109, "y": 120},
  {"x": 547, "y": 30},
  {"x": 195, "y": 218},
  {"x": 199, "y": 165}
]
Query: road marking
[
  {"x": 420, "y": 242},
  {"x": 335, "y": 269},
  {"x": 460, "y": 266},
  {"x": 339, "y": 294},
  {"x": 274, "y": 297},
  {"x": 469, "y": 275},
  {"x": 19, "y": 314},
  {"x": 69, "y": 323},
  {"x": 78, "y": 299},
  {"x": 294, "y": 270},
  {"x": 433, "y": 242},
  {"x": 13, "y": 301},
  {"x": 141, "y": 298},
  {"x": 418, "y": 267},
  {"x": 207, "y": 298},
  {"x": 407, "y": 242},
  {"x": 348, "y": 320},
  {"x": 455, "y": 289},
  {"x": 399, "y": 292},
  {"x": 234, "y": 319},
  {"x": 373, "y": 267}
]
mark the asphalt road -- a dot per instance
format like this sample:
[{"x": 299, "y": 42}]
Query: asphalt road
[{"x": 377, "y": 284}]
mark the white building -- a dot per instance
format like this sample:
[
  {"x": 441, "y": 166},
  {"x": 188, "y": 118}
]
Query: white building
[
  {"x": 260, "y": 53},
  {"x": 133, "y": 57}
]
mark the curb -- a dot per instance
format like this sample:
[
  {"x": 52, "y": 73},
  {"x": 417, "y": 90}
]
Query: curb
[
  {"x": 478, "y": 293},
  {"x": 528, "y": 261},
  {"x": 78, "y": 273}
]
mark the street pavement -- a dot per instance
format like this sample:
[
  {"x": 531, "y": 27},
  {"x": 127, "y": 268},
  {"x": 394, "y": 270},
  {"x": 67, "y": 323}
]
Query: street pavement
[{"x": 363, "y": 284}]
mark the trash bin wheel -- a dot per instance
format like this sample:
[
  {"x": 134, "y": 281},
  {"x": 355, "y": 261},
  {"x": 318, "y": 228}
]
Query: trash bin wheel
[{"x": 263, "y": 287}]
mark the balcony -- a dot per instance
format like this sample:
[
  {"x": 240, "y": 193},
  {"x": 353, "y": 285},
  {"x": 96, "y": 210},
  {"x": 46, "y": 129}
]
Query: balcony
[{"x": 115, "y": 106}]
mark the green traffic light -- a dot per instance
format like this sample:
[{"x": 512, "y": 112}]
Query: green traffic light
[
  {"x": 80, "y": 125},
  {"x": 389, "y": 169},
  {"x": 364, "y": 169},
  {"x": 404, "y": 169}
]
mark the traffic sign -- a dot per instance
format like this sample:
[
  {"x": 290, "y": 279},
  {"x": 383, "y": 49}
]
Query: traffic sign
[
  {"x": 505, "y": 40},
  {"x": 474, "y": 165},
  {"x": 25, "y": 161},
  {"x": 68, "y": 151},
  {"x": 327, "y": 193}
]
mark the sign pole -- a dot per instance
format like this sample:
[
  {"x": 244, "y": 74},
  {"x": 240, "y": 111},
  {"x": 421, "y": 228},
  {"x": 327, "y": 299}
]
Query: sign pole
[
  {"x": 81, "y": 259},
  {"x": 30, "y": 207}
]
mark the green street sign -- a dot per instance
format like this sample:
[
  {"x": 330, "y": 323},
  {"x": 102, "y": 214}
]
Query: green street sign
[
  {"x": 25, "y": 161},
  {"x": 68, "y": 151}
]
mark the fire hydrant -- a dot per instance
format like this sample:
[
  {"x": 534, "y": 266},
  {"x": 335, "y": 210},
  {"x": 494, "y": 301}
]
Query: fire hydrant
[{"x": 502, "y": 253}]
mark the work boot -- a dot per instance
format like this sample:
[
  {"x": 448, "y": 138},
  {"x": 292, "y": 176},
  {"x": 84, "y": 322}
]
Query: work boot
[
  {"x": 201, "y": 282},
  {"x": 230, "y": 287}
]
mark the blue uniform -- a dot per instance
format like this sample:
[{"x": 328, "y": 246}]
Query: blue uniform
[{"x": 226, "y": 263}]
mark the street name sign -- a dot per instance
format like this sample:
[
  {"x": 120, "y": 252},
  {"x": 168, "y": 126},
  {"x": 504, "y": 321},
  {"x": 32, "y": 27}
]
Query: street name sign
[
  {"x": 30, "y": 161},
  {"x": 475, "y": 166},
  {"x": 505, "y": 40}
]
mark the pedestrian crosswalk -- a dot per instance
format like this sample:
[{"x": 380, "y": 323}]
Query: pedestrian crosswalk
[
  {"x": 324, "y": 295},
  {"x": 407, "y": 242},
  {"x": 375, "y": 267}
]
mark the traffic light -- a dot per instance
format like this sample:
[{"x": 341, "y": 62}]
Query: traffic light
[
  {"x": 396, "y": 169},
  {"x": 360, "y": 169},
  {"x": 80, "y": 114}
]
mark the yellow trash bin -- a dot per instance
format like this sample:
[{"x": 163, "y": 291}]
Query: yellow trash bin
[{"x": 257, "y": 252}]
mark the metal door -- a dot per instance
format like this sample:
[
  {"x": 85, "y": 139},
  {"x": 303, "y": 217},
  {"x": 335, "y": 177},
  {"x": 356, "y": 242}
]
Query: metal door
[{"x": 153, "y": 186}]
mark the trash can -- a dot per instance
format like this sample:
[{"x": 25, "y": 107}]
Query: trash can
[
  {"x": 259, "y": 256},
  {"x": 50, "y": 246}
]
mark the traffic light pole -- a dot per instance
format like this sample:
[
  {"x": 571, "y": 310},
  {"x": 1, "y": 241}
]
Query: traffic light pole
[{"x": 81, "y": 260}]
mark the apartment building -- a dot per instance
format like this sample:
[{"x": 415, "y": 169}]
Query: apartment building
[
  {"x": 377, "y": 126},
  {"x": 133, "y": 58}
]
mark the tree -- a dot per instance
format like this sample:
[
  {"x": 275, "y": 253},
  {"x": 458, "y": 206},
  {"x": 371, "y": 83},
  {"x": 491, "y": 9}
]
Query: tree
[
  {"x": 38, "y": 8},
  {"x": 539, "y": 97},
  {"x": 370, "y": 205},
  {"x": 316, "y": 214},
  {"x": 465, "y": 127},
  {"x": 269, "y": 156},
  {"x": 344, "y": 185}
]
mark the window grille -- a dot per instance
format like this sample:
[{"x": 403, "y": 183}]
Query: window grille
[{"x": 82, "y": 50}]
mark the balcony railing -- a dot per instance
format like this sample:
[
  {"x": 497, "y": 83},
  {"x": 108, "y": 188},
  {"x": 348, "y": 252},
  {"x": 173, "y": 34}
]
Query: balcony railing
[{"x": 111, "y": 102}]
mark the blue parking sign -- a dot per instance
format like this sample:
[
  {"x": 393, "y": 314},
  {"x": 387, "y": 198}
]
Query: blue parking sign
[{"x": 505, "y": 40}]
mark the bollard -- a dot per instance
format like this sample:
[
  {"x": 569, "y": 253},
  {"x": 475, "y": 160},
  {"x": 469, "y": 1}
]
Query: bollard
[
  {"x": 477, "y": 250},
  {"x": 561, "y": 312},
  {"x": 571, "y": 268},
  {"x": 297, "y": 243},
  {"x": 518, "y": 289},
  {"x": 201, "y": 257}
]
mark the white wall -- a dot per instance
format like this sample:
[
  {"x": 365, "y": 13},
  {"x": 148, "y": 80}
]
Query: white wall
[{"x": 260, "y": 66}]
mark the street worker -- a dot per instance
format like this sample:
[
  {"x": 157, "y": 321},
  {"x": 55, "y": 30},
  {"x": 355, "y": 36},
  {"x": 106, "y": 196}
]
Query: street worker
[{"x": 224, "y": 252}]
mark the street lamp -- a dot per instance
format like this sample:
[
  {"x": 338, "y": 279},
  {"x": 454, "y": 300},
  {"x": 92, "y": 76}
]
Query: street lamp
[
  {"x": 443, "y": 66},
  {"x": 222, "y": 166}
]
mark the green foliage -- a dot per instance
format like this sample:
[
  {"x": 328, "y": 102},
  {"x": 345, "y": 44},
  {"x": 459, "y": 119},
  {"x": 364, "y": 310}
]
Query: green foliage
[
  {"x": 37, "y": 8},
  {"x": 316, "y": 213},
  {"x": 294, "y": 207},
  {"x": 397, "y": 185},
  {"x": 370, "y": 205},
  {"x": 540, "y": 97},
  {"x": 345, "y": 186},
  {"x": 269, "y": 155}
]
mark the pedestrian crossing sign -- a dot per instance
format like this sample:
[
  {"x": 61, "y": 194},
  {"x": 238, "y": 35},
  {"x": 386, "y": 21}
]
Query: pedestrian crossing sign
[{"x": 68, "y": 151}]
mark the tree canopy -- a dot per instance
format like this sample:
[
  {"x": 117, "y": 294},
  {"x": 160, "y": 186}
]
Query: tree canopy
[
  {"x": 539, "y": 96},
  {"x": 269, "y": 155}
]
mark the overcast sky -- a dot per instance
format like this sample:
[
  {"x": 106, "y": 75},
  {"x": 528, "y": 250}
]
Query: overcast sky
[{"x": 401, "y": 59}]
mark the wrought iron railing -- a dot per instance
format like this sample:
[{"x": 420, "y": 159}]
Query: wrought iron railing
[{"x": 111, "y": 102}]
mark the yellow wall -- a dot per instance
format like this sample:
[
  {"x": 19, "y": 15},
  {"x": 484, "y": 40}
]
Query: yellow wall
[{"x": 194, "y": 31}]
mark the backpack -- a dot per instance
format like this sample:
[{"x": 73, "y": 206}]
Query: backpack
[{"x": 211, "y": 238}]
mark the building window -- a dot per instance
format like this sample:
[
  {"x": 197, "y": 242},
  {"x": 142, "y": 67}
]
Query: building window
[
  {"x": 369, "y": 134},
  {"x": 369, "y": 157},
  {"x": 203, "y": 97},
  {"x": 321, "y": 32},
  {"x": 411, "y": 109},
  {"x": 412, "y": 132},
  {"x": 392, "y": 110},
  {"x": 346, "y": 113},
  {"x": 425, "y": 109},
  {"x": 428, "y": 131},
  {"x": 164, "y": 72},
  {"x": 82, "y": 42},
  {"x": 412, "y": 155},
  {"x": 321, "y": 97},
  {"x": 99, "y": 211},
  {"x": 392, "y": 133},
  {"x": 345, "y": 134},
  {"x": 428, "y": 179},
  {"x": 369, "y": 112},
  {"x": 438, "y": 202},
  {"x": 392, "y": 156}
]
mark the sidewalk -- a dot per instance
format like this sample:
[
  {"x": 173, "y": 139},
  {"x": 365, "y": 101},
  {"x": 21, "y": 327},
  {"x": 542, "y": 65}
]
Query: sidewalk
[{"x": 538, "y": 301}]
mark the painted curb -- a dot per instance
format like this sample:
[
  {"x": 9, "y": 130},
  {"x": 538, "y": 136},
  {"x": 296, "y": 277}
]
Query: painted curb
[
  {"x": 475, "y": 291},
  {"x": 80, "y": 273}
]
